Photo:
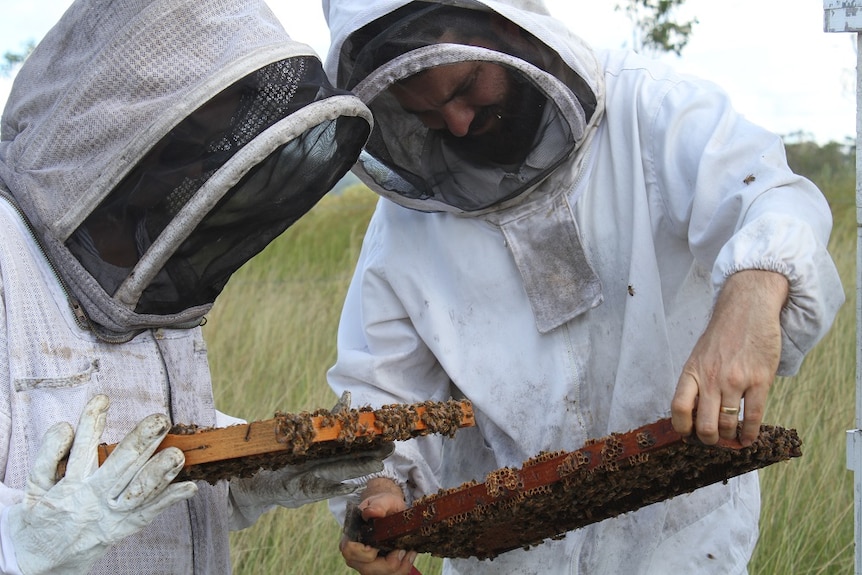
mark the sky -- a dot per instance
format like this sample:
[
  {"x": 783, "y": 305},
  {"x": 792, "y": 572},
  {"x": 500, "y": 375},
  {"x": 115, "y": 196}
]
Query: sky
[{"x": 772, "y": 56}]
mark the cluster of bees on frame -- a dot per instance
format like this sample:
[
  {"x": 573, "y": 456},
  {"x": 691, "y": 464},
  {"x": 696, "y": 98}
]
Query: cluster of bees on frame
[
  {"x": 396, "y": 422},
  {"x": 607, "y": 477},
  {"x": 297, "y": 433}
]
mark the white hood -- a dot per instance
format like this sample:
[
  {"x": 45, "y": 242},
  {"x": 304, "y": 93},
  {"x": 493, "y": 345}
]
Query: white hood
[
  {"x": 112, "y": 90},
  {"x": 376, "y": 45},
  {"x": 346, "y": 16}
]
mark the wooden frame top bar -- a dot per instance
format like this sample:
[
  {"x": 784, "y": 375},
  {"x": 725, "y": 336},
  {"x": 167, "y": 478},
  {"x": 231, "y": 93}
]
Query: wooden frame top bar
[{"x": 291, "y": 438}]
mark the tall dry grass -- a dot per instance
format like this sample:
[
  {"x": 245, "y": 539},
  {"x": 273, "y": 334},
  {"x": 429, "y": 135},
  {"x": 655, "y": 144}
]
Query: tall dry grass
[
  {"x": 272, "y": 337},
  {"x": 807, "y": 514}
]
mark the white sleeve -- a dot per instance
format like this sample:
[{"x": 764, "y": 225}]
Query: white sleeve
[
  {"x": 225, "y": 420},
  {"x": 728, "y": 187},
  {"x": 238, "y": 520},
  {"x": 8, "y": 561},
  {"x": 383, "y": 360},
  {"x": 8, "y": 496}
]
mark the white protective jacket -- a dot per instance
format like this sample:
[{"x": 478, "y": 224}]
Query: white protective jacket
[{"x": 672, "y": 191}]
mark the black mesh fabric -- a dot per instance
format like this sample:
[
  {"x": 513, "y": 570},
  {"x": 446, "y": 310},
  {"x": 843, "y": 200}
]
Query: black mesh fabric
[
  {"x": 434, "y": 181},
  {"x": 265, "y": 202}
]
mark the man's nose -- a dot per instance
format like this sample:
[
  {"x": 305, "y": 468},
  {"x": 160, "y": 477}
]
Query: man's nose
[{"x": 458, "y": 118}]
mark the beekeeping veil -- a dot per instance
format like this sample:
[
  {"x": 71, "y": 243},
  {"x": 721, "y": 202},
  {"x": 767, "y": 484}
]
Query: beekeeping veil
[
  {"x": 154, "y": 146},
  {"x": 517, "y": 173}
]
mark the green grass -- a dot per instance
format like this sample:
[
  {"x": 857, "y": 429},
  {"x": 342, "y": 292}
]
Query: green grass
[{"x": 272, "y": 337}]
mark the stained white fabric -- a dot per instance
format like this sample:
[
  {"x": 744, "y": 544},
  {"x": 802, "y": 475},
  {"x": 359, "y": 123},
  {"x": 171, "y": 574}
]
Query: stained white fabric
[
  {"x": 8, "y": 559},
  {"x": 665, "y": 212},
  {"x": 51, "y": 368}
]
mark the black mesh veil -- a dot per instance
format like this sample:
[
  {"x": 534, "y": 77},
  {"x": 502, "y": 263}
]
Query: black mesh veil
[
  {"x": 267, "y": 201},
  {"x": 161, "y": 191},
  {"x": 525, "y": 120}
]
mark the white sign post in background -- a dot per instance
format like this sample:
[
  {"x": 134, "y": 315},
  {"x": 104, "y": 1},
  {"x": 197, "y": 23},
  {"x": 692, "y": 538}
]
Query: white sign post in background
[{"x": 846, "y": 16}]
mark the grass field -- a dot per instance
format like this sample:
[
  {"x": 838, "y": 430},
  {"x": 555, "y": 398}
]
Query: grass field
[{"x": 271, "y": 338}]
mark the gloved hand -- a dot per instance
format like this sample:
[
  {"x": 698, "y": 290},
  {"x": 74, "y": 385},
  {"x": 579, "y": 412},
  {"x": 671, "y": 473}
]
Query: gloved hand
[
  {"x": 65, "y": 526},
  {"x": 298, "y": 485}
]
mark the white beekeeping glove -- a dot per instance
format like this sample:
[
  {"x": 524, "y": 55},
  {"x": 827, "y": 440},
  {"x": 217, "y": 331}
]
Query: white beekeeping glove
[
  {"x": 297, "y": 485},
  {"x": 65, "y": 526}
]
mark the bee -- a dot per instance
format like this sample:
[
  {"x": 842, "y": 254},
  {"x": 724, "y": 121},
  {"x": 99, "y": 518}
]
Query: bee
[
  {"x": 645, "y": 439},
  {"x": 748, "y": 179},
  {"x": 347, "y": 434}
]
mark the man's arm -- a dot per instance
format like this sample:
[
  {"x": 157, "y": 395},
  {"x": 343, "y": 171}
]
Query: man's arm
[{"x": 736, "y": 358}]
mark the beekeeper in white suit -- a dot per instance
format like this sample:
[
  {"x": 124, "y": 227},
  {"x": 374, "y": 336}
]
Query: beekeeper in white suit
[
  {"x": 579, "y": 243},
  {"x": 149, "y": 149}
]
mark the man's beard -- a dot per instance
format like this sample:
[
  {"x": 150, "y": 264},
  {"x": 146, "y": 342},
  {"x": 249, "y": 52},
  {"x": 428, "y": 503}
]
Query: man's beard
[{"x": 512, "y": 137}]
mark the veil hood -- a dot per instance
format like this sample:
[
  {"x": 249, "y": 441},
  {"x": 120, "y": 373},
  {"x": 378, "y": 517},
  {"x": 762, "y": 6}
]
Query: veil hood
[
  {"x": 379, "y": 49},
  {"x": 199, "y": 126}
]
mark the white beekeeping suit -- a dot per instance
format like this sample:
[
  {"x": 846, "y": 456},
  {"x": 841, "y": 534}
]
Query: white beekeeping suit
[
  {"x": 149, "y": 149},
  {"x": 559, "y": 273}
]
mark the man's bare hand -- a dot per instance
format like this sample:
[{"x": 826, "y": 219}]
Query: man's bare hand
[
  {"x": 736, "y": 358},
  {"x": 381, "y": 497}
]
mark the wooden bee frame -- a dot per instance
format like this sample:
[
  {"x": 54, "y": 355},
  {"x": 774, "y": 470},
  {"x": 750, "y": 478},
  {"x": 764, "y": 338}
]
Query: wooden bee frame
[
  {"x": 212, "y": 454},
  {"x": 554, "y": 493}
]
